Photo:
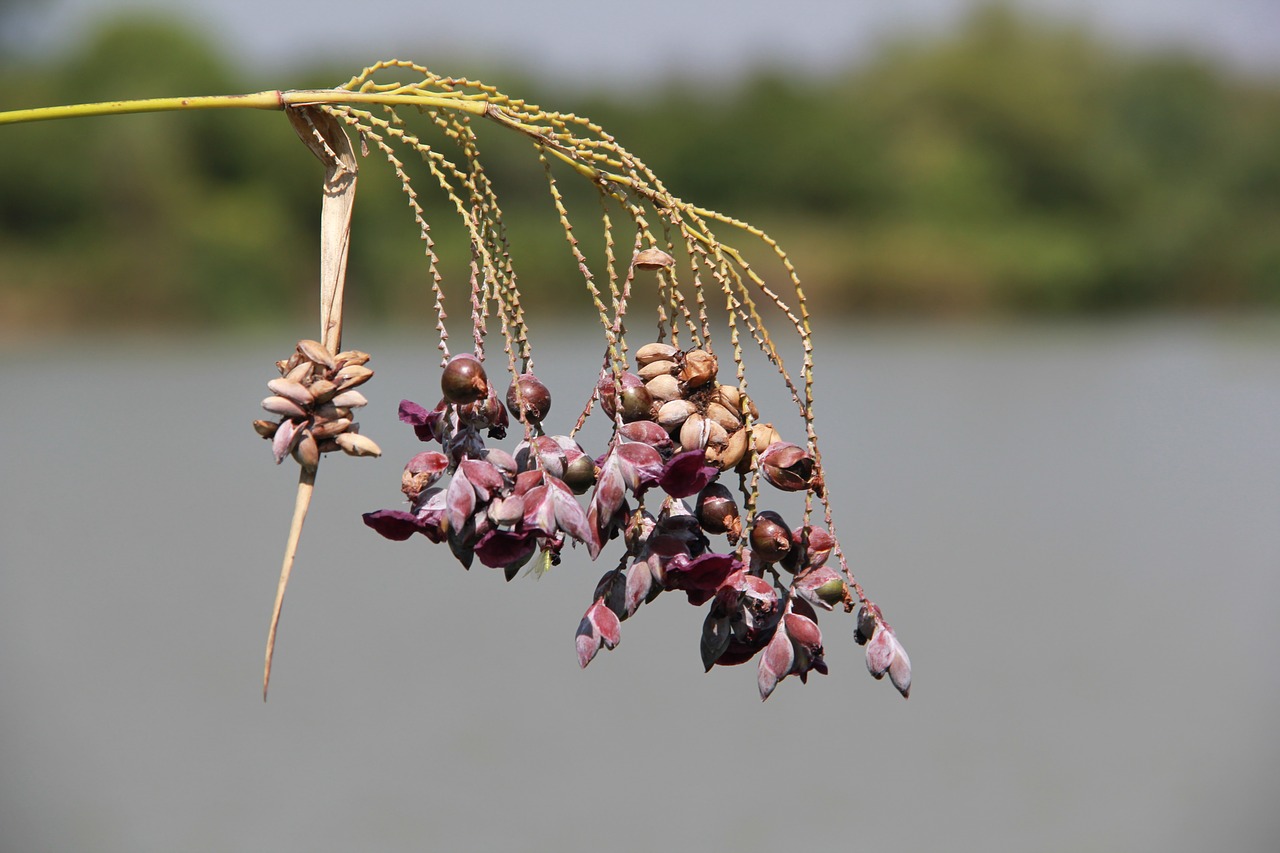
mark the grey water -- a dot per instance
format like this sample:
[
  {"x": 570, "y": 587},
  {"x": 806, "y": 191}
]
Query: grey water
[{"x": 1074, "y": 531}]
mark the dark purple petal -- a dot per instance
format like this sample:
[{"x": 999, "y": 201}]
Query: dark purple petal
[
  {"x": 426, "y": 424},
  {"x": 413, "y": 414},
  {"x": 501, "y": 548},
  {"x": 687, "y": 474},
  {"x": 393, "y": 523},
  {"x": 701, "y": 576}
]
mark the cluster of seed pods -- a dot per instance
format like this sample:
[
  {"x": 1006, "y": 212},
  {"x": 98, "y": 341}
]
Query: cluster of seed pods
[
  {"x": 314, "y": 399},
  {"x": 656, "y": 487}
]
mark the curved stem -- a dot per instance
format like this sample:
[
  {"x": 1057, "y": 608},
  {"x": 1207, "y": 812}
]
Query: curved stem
[{"x": 274, "y": 99}]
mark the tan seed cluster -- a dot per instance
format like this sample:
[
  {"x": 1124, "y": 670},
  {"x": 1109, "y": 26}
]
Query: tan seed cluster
[
  {"x": 313, "y": 399},
  {"x": 699, "y": 412}
]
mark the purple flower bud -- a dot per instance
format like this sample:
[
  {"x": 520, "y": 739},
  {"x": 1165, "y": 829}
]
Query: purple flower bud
[
  {"x": 506, "y": 511},
  {"x": 483, "y": 477},
  {"x": 639, "y": 585},
  {"x": 599, "y": 627},
  {"x": 880, "y": 652},
  {"x": 460, "y": 502},
  {"x": 775, "y": 663},
  {"x": 646, "y": 432},
  {"x": 900, "y": 668},
  {"x": 428, "y": 426},
  {"x": 687, "y": 474},
  {"x": 640, "y": 464},
  {"x": 568, "y": 513},
  {"x": 539, "y": 510}
]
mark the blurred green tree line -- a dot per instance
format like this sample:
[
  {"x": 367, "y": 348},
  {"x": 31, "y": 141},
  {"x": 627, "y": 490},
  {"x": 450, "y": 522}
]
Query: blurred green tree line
[{"x": 1011, "y": 167}]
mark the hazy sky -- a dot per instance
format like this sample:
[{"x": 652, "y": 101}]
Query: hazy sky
[{"x": 615, "y": 42}]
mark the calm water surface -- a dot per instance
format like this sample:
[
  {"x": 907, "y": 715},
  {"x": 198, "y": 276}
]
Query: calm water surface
[{"x": 1074, "y": 532}]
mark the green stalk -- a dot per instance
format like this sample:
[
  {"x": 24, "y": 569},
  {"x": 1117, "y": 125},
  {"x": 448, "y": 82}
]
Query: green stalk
[{"x": 270, "y": 100}]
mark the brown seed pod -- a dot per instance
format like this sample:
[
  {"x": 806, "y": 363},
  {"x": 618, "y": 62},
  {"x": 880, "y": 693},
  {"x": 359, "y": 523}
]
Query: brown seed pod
[
  {"x": 351, "y": 356},
  {"x": 770, "y": 537},
  {"x": 729, "y": 454},
  {"x": 355, "y": 444},
  {"x": 673, "y": 413},
  {"x": 652, "y": 259},
  {"x": 656, "y": 352},
  {"x": 306, "y": 452},
  {"x": 727, "y": 418},
  {"x": 266, "y": 429},
  {"x": 790, "y": 467},
  {"x": 699, "y": 368},
  {"x": 464, "y": 380},
  {"x": 528, "y": 394},
  {"x": 292, "y": 363},
  {"x": 329, "y": 429},
  {"x": 322, "y": 390},
  {"x": 717, "y": 512},
  {"x": 762, "y": 437},
  {"x": 664, "y": 388},
  {"x": 726, "y": 395},
  {"x": 295, "y": 391},
  {"x": 351, "y": 399},
  {"x": 637, "y": 404},
  {"x": 283, "y": 406},
  {"x": 695, "y": 432},
  {"x": 315, "y": 352},
  {"x": 351, "y": 376},
  {"x": 300, "y": 372},
  {"x": 662, "y": 367},
  {"x": 580, "y": 474}
]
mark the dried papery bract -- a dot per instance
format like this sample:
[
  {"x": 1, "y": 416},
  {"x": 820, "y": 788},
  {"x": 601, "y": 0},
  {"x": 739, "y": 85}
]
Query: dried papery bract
[
  {"x": 317, "y": 378},
  {"x": 680, "y": 419}
]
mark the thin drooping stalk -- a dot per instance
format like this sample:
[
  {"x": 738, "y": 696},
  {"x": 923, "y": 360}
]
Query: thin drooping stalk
[{"x": 306, "y": 487}]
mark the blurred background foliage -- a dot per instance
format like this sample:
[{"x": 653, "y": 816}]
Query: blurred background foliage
[{"x": 1011, "y": 167}]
